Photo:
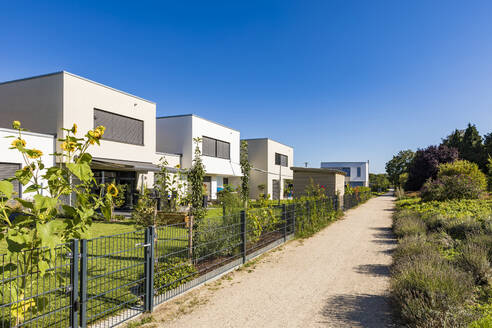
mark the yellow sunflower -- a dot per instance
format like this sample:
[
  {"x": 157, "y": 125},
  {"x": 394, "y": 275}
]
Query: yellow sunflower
[
  {"x": 112, "y": 190},
  {"x": 16, "y": 125},
  {"x": 74, "y": 128},
  {"x": 18, "y": 143},
  {"x": 35, "y": 153}
]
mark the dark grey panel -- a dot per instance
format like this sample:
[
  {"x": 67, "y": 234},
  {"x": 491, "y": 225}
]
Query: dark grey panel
[
  {"x": 282, "y": 160},
  {"x": 208, "y": 146},
  {"x": 223, "y": 149},
  {"x": 7, "y": 170},
  {"x": 120, "y": 128}
]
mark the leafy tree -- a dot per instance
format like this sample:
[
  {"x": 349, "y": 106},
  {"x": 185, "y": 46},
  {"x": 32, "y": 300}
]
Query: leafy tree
[
  {"x": 398, "y": 165},
  {"x": 378, "y": 182},
  {"x": 195, "y": 181},
  {"x": 425, "y": 164},
  {"x": 245, "y": 169},
  {"x": 469, "y": 144},
  {"x": 487, "y": 144}
]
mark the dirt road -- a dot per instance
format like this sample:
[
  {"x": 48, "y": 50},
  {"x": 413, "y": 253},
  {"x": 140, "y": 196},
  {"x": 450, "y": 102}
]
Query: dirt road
[{"x": 338, "y": 278}]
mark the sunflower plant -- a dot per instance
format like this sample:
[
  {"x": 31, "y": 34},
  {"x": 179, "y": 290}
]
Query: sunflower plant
[{"x": 44, "y": 218}]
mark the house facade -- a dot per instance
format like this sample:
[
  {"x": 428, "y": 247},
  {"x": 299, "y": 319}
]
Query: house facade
[
  {"x": 12, "y": 160},
  {"x": 219, "y": 146},
  {"x": 271, "y": 172},
  {"x": 357, "y": 173},
  {"x": 46, "y": 104}
]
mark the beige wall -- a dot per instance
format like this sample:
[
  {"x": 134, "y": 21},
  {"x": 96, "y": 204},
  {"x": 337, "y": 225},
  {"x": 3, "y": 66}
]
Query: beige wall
[
  {"x": 332, "y": 182},
  {"x": 35, "y": 102}
]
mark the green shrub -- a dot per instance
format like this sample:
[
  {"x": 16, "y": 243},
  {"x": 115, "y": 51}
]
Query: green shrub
[
  {"x": 457, "y": 180},
  {"x": 430, "y": 292},
  {"x": 409, "y": 226},
  {"x": 216, "y": 237},
  {"x": 410, "y": 248},
  {"x": 474, "y": 258},
  {"x": 462, "y": 228},
  {"x": 172, "y": 273},
  {"x": 463, "y": 168}
]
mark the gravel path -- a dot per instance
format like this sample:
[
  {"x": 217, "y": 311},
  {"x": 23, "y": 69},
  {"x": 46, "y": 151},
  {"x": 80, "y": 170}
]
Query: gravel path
[{"x": 338, "y": 278}]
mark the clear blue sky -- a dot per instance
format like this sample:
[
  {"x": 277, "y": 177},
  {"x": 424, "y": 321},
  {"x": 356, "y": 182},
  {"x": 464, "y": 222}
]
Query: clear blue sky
[{"x": 338, "y": 80}]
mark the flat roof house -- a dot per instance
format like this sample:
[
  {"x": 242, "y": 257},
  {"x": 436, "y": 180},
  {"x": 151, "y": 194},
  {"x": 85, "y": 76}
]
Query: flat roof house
[
  {"x": 357, "y": 172},
  {"x": 220, "y": 147},
  {"x": 271, "y": 172},
  {"x": 47, "y": 103}
]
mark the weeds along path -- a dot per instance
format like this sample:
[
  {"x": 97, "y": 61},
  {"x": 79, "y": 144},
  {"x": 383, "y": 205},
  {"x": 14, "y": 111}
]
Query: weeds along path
[{"x": 337, "y": 278}]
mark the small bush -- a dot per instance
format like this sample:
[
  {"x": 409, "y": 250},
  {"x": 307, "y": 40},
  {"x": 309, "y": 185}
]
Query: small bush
[
  {"x": 410, "y": 248},
  {"x": 406, "y": 225},
  {"x": 172, "y": 273},
  {"x": 430, "y": 292},
  {"x": 474, "y": 258},
  {"x": 216, "y": 237},
  {"x": 462, "y": 228},
  {"x": 456, "y": 180},
  {"x": 464, "y": 168}
]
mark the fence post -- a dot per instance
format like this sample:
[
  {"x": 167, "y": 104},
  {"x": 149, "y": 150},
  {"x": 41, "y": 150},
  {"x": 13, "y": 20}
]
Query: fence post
[
  {"x": 284, "y": 217},
  {"x": 243, "y": 234},
  {"x": 293, "y": 209},
  {"x": 190, "y": 237},
  {"x": 74, "y": 282},
  {"x": 149, "y": 268},
  {"x": 83, "y": 284}
]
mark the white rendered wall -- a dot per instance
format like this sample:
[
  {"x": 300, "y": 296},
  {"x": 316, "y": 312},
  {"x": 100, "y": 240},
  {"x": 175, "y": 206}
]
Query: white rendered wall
[{"x": 42, "y": 142}]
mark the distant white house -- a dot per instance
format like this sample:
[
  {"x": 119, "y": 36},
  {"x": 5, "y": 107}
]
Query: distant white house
[
  {"x": 357, "y": 172},
  {"x": 11, "y": 159},
  {"x": 271, "y": 172},
  {"x": 220, "y": 147}
]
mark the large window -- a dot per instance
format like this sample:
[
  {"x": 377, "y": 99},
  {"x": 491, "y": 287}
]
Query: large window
[
  {"x": 282, "y": 160},
  {"x": 359, "y": 172},
  {"x": 120, "y": 128},
  {"x": 216, "y": 148},
  {"x": 344, "y": 169}
]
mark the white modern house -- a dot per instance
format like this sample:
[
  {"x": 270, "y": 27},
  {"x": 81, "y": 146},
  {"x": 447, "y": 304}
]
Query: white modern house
[
  {"x": 12, "y": 160},
  {"x": 219, "y": 145},
  {"x": 271, "y": 172},
  {"x": 45, "y": 104},
  {"x": 357, "y": 173}
]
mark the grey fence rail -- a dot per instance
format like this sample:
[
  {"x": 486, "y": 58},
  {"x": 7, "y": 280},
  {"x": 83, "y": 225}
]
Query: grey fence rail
[{"x": 105, "y": 281}]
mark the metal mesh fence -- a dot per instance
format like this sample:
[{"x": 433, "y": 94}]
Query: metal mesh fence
[{"x": 105, "y": 281}]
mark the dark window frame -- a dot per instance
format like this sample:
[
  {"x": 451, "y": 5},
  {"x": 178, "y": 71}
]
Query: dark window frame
[
  {"x": 216, "y": 155},
  {"x": 278, "y": 159},
  {"x": 359, "y": 172},
  {"x": 19, "y": 165},
  {"x": 126, "y": 117}
]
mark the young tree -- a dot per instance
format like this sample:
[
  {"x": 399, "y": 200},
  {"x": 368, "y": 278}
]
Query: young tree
[
  {"x": 245, "y": 169},
  {"x": 195, "y": 181},
  {"x": 425, "y": 164},
  {"x": 398, "y": 165}
]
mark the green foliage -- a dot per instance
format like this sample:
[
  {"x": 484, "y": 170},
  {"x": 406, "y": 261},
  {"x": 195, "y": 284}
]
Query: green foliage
[
  {"x": 264, "y": 218},
  {"x": 195, "y": 181},
  {"x": 35, "y": 226},
  {"x": 439, "y": 277},
  {"x": 398, "y": 165},
  {"x": 171, "y": 187},
  {"x": 144, "y": 212},
  {"x": 172, "y": 273},
  {"x": 245, "y": 169},
  {"x": 409, "y": 226},
  {"x": 469, "y": 144},
  {"x": 379, "y": 182},
  {"x": 230, "y": 200},
  {"x": 431, "y": 292},
  {"x": 466, "y": 168}
]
